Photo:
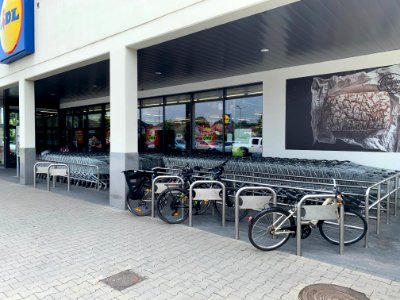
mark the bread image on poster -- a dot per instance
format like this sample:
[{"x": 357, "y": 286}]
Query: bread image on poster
[{"x": 360, "y": 109}]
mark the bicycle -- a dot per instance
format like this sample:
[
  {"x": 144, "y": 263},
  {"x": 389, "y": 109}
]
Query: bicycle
[
  {"x": 173, "y": 205},
  {"x": 138, "y": 198},
  {"x": 273, "y": 227}
]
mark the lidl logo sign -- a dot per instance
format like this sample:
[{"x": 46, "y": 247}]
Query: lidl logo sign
[{"x": 16, "y": 29}]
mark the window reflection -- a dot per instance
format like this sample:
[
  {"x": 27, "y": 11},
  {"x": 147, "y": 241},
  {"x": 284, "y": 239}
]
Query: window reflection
[
  {"x": 225, "y": 121},
  {"x": 243, "y": 126},
  {"x": 152, "y": 128},
  {"x": 208, "y": 126},
  {"x": 176, "y": 128}
]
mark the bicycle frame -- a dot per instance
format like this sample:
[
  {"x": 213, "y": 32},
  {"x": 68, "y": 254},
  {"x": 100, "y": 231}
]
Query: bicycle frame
[{"x": 293, "y": 212}]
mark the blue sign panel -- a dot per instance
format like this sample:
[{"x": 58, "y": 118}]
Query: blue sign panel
[{"x": 16, "y": 30}]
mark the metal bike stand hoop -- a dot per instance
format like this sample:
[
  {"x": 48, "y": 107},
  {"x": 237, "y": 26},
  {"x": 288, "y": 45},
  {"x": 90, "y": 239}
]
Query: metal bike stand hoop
[
  {"x": 58, "y": 172},
  {"x": 298, "y": 222},
  {"x": 191, "y": 198},
  {"x": 153, "y": 185},
  {"x": 249, "y": 188}
]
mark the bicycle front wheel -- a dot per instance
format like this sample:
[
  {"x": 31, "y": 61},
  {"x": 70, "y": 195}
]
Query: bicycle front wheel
[
  {"x": 271, "y": 228},
  {"x": 173, "y": 205},
  {"x": 355, "y": 228},
  {"x": 140, "y": 207}
]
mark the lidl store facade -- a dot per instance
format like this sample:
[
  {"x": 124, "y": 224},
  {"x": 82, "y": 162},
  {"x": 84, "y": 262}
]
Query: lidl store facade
[{"x": 286, "y": 78}]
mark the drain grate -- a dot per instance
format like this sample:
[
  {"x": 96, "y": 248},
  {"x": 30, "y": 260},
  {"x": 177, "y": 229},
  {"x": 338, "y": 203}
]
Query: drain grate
[
  {"x": 330, "y": 291},
  {"x": 122, "y": 280}
]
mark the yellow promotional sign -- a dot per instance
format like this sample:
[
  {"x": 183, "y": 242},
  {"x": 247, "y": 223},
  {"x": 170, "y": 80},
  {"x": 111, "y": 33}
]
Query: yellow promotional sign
[{"x": 227, "y": 119}]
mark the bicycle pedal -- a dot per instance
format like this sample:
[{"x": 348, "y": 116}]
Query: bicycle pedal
[
  {"x": 175, "y": 214},
  {"x": 137, "y": 209}
]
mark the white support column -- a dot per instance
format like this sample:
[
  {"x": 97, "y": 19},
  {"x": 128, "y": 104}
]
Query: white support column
[
  {"x": 124, "y": 121},
  {"x": 27, "y": 145}
]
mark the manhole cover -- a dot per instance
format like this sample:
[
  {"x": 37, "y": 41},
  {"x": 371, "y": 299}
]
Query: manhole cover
[
  {"x": 330, "y": 291},
  {"x": 122, "y": 280}
]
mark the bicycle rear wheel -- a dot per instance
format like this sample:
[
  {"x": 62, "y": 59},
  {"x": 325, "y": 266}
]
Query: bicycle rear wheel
[
  {"x": 173, "y": 205},
  {"x": 263, "y": 232},
  {"x": 355, "y": 228},
  {"x": 230, "y": 193},
  {"x": 140, "y": 207}
]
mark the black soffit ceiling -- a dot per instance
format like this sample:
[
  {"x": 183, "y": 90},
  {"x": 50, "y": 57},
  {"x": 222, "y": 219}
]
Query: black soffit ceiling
[{"x": 304, "y": 32}]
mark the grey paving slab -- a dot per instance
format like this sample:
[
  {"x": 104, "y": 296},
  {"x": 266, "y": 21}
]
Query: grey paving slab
[{"x": 55, "y": 246}]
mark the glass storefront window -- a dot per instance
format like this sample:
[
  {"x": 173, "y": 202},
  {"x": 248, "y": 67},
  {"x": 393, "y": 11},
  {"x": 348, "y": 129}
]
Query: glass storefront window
[
  {"x": 152, "y": 128},
  {"x": 94, "y": 120},
  {"x": 208, "y": 126},
  {"x": 225, "y": 121},
  {"x": 47, "y": 131},
  {"x": 208, "y": 96},
  {"x": 243, "y": 126},
  {"x": 107, "y": 119},
  {"x": 177, "y": 123},
  {"x": 244, "y": 91}
]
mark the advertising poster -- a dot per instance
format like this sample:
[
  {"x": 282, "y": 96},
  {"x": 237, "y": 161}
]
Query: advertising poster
[
  {"x": 152, "y": 137},
  {"x": 349, "y": 111},
  {"x": 79, "y": 137}
]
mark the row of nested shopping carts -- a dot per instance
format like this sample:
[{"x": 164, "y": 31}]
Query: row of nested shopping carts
[
  {"x": 86, "y": 169},
  {"x": 290, "y": 177}
]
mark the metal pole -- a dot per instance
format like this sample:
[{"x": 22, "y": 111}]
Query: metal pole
[
  {"x": 298, "y": 227},
  {"x": 341, "y": 230},
  {"x": 223, "y": 204},
  {"x": 190, "y": 203},
  {"x": 98, "y": 177},
  {"x": 69, "y": 188},
  {"x": 237, "y": 213},
  {"x": 396, "y": 195},
  {"x": 378, "y": 211},
  {"x": 34, "y": 176},
  {"x": 388, "y": 187},
  {"x": 366, "y": 216},
  {"x": 48, "y": 177}
]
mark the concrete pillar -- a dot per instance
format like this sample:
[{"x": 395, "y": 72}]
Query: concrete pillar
[
  {"x": 27, "y": 143},
  {"x": 124, "y": 121}
]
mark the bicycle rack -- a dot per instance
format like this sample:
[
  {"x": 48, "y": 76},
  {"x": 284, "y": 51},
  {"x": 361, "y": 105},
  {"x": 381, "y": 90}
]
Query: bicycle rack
[
  {"x": 319, "y": 212},
  {"x": 265, "y": 199},
  {"x": 210, "y": 194},
  {"x": 53, "y": 170},
  {"x": 40, "y": 168},
  {"x": 153, "y": 185},
  {"x": 389, "y": 191}
]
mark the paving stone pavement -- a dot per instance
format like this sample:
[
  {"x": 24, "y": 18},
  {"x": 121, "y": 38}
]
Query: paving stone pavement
[{"x": 54, "y": 246}]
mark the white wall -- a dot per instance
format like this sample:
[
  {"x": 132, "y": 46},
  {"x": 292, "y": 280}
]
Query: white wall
[{"x": 275, "y": 105}]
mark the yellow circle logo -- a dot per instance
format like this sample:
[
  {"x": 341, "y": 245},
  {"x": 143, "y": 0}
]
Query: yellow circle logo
[{"x": 11, "y": 24}]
